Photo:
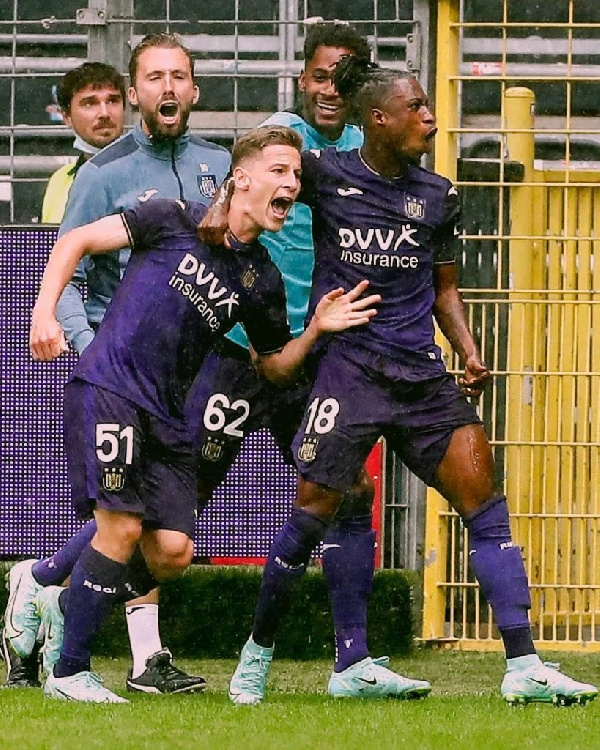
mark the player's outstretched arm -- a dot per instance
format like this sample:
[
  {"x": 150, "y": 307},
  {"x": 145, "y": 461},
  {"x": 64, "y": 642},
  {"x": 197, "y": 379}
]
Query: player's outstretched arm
[
  {"x": 449, "y": 311},
  {"x": 46, "y": 337},
  {"x": 336, "y": 311}
]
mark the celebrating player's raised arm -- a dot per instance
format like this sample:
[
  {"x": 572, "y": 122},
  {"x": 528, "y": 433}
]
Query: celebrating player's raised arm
[{"x": 46, "y": 337}]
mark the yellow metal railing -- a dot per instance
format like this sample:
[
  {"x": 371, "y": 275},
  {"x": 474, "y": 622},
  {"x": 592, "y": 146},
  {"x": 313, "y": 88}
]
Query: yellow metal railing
[
  {"x": 436, "y": 542},
  {"x": 540, "y": 325}
]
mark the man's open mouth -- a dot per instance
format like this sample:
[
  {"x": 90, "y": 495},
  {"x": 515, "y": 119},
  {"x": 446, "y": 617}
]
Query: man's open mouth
[
  {"x": 281, "y": 206},
  {"x": 169, "y": 110}
]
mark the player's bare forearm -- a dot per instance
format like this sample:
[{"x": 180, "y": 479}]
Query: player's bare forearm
[
  {"x": 450, "y": 314},
  {"x": 336, "y": 311},
  {"x": 46, "y": 337},
  {"x": 213, "y": 227},
  {"x": 284, "y": 367},
  {"x": 451, "y": 317}
]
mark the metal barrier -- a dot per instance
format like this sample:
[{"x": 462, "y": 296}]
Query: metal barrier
[
  {"x": 539, "y": 325},
  {"x": 248, "y": 55}
]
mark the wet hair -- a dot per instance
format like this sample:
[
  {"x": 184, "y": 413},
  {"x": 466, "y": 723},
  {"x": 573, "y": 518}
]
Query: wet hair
[
  {"x": 257, "y": 139},
  {"x": 335, "y": 34},
  {"x": 363, "y": 84},
  {"x": 94, "y": 74},
  {"x": 164, "y": 40}
]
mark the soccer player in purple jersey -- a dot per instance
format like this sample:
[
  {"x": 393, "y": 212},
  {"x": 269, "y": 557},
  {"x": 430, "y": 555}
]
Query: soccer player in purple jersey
[
  {"x": 159, "y": 158},
  {"x": 92, "y": 100},
  {"x": 378, "y": 215},
  {"x": 229, "y": 386},
  {"x": 130, "y": 460}
]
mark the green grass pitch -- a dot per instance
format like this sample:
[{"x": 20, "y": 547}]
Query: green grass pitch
[{"x": 464, "y": 711}]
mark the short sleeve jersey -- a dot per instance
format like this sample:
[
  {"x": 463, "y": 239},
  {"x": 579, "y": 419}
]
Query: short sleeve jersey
[
  {"x": 176, "y": 298},
  {"x": 391, "y": 232}
]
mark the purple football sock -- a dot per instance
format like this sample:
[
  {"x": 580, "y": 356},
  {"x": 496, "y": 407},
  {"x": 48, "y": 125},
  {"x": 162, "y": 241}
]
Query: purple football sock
[
  {"x": 349, "y": 564},
  {"x": 95, "y": 582},
  {"x": 288, "y": 558},
  {"x": 498, "y": 566},
  {"x": 55, "y": 569}
]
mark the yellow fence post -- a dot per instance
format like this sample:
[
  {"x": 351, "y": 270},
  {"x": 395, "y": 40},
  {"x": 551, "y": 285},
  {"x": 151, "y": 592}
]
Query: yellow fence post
[
  {"x": 524, "y": 394},
  {"x": 551, "y": 426},
  {"x": 437, "y": 521},
  {"x": 569, "y": 572}
]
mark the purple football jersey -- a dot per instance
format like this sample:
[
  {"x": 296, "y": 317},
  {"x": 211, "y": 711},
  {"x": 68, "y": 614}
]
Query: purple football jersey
[
  {"x": 176, "y": 298},
  {"x": 391, "y": 232}
]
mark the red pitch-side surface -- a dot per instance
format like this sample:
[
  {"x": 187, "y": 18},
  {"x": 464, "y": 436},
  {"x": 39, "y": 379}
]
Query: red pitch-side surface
[{"x": 374, "y": 466}]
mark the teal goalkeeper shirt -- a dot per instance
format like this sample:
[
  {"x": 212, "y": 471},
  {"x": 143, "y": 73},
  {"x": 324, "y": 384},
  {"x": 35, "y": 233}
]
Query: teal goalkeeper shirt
[{"x": 291, "y": 249}]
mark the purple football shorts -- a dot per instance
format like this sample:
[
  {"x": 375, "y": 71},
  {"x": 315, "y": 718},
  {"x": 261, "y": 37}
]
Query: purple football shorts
[
  {"x": 228, "y": 401},
  {"x": 351, "y": 406},
  {"x": 121, "y": 458}
]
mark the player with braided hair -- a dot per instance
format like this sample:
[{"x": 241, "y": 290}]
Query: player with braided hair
[
  {"x": 249, "y": 402},
  {"x": 378, "y": 215}
]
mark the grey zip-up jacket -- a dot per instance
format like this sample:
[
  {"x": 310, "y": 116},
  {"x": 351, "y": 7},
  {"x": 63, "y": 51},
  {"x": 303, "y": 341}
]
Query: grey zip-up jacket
[{"x": 132, "y": 170}]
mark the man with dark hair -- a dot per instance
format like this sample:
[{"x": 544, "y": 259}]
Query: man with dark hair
[
  {"x": 92, "y": 102},
  {"x": 159, "y": 158},
  {"x": 130, "y": 460},
  {"x": 321, "y": 105},
  {"x": 378, "y": 214},
  {"x": 230, "y": 389}
]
